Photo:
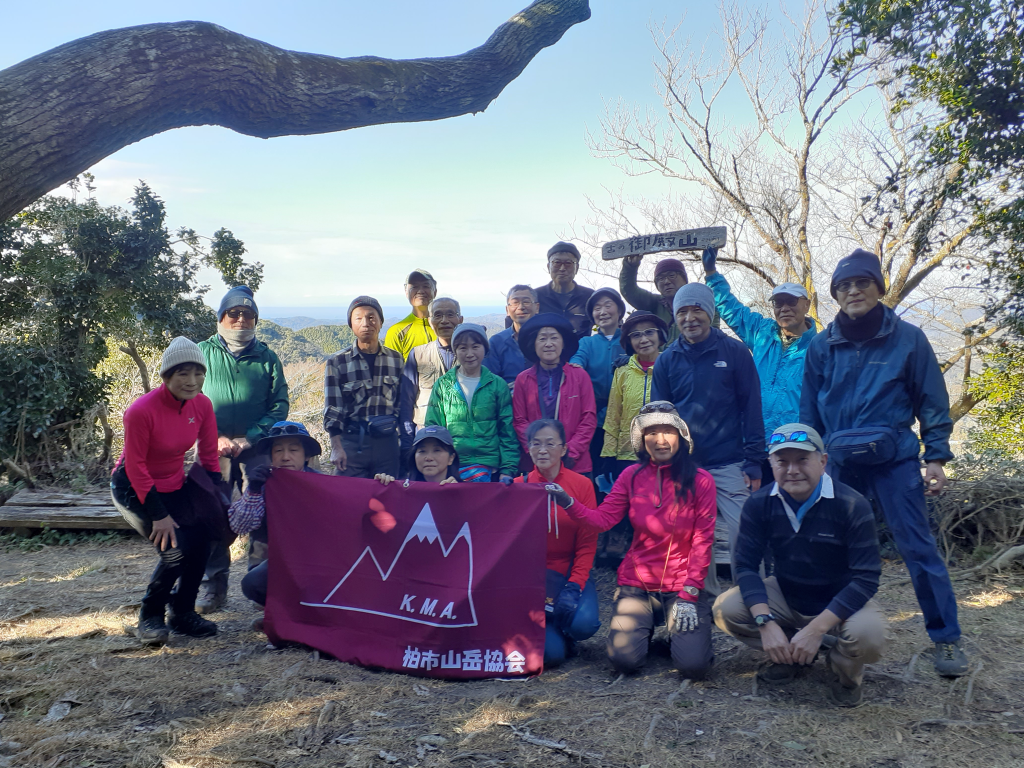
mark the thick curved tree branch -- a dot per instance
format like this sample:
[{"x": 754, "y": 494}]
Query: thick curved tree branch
[{"x": 64, "y": 110}]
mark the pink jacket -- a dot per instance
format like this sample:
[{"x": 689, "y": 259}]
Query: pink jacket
[
  {"x": 576, "y": 410},
  {"x": 672, "y": 541}
]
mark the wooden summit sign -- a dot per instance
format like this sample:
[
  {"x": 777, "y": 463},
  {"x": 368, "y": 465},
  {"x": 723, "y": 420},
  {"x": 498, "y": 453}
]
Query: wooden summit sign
[{"x": 683, "y": 240}]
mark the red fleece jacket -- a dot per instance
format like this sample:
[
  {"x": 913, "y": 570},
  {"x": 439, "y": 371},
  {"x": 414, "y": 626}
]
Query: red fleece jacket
[
  {"x": 158, "y": 430},
  {"x": 570, "y": 544},
  {"x": 672, "y": 541}
]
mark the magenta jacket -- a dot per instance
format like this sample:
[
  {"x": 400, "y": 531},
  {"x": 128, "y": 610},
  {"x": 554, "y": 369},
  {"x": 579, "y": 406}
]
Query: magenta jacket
[{"x": 576, "y": 410}]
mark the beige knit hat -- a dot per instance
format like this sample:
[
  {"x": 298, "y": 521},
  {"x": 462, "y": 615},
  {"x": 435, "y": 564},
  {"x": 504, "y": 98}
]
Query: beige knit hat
[
  {"x": 652, "y": 414},
  {"x": 181, "y": 350}
]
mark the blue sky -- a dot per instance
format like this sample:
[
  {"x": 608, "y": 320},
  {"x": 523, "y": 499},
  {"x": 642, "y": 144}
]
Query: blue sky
[{"x": 477, "y": 200}]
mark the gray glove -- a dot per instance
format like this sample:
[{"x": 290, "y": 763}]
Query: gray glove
[
  {"x": 556, "y": 492},
  {"x": 684, "y": 617}
]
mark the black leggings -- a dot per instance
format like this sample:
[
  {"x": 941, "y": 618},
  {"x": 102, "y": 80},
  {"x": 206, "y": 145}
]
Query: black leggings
[{"x": 183, "y": 564}]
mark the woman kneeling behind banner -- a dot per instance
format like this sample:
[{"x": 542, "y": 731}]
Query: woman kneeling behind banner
[
  {"x": 671, "y": 504},
  {"x": 571, "y": 603}
]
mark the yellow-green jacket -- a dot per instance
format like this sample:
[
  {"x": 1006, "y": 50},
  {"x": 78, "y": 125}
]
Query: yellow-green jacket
[{"x": 631, "y": 389}]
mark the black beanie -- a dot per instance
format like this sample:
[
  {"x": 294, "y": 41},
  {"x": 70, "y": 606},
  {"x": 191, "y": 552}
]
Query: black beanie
[
  {"x": 563, "y": 247},
  {"x": 860, "y": 263},
  {"x": 239, "y": 296},
  {"x": 364, "y": 301}
]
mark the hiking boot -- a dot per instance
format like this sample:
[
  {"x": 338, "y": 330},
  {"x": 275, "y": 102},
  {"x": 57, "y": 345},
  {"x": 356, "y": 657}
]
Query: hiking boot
[
  {"x": 152, "y": 631},
  {"x": 192, "y": 624},
  {"x": 211, "y": 602},
  {"x": 843, "y": 695},
  {"x": 257, "y": 624},
  {"x": 950, "y": 659},
  {"x": 778, "y": 674}
]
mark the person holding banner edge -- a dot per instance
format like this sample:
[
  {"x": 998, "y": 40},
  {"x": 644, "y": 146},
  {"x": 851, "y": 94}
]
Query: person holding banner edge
[
  {"x": 571, "y": 606},
  {"x": 289, "y": 447},
  {"x": 671, "y": 504},
  {"x": 434, "y": 457}
]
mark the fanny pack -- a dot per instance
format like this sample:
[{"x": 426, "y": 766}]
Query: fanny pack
[
  {"x": 863, "y": 446},
  {"x": 382, "y": 426}
]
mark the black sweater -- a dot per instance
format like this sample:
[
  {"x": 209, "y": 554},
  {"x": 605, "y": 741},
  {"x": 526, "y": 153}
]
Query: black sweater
[{"x": 831, "y": 562}]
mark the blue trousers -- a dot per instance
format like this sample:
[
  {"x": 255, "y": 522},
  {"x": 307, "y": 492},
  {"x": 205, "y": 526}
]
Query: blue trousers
[
  {"x": 584, "y": 624},
  {"x": 898, "y": 490}
]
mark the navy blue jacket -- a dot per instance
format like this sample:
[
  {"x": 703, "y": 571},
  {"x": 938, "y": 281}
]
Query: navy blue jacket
[
  {"x": 830, "y": 561},
  {"x": 715, "y": 388},
  {"x": 889, "y": 380},
  {"x": 505, "y": 359}
]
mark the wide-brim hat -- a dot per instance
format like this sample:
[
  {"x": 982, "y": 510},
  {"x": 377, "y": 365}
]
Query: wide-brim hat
[
  {"x": 642, "y": 316},
  {"x": 653, "y": 414},
  {"x": 529, "y": 330},
  {"x": 289, "y": 429}
]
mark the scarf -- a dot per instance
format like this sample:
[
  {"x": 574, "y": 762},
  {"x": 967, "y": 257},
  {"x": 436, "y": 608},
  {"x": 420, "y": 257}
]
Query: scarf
[{"x": 237, "y": 341}]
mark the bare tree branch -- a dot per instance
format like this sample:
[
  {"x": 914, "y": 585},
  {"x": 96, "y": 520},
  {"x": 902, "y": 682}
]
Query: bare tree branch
[{"x": 65, "y": 110}]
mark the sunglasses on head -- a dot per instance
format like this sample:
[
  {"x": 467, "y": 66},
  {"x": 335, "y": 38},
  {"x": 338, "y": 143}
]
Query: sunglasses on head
[
  {"x": 658, "y": 407},
  {"x": 795, "y": 437},
  {"x": 289, "y": 429}
]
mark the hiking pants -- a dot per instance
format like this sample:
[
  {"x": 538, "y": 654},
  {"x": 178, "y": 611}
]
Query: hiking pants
[
  {"x": 182, "y": 564},
  {"x": 861, "y": 638},
  {"x": 634, "y": 617},
  {"x": 898, "y": 490},
  {"x": 234, "y": 470},
  {"x": 731, "y": 493}
]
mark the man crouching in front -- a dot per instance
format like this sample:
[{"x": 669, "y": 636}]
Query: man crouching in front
[{"x": 827, "y": 566}]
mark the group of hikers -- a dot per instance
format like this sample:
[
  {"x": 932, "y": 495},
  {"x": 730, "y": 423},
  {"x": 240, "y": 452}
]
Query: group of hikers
[{"x": 786, "y": 441}]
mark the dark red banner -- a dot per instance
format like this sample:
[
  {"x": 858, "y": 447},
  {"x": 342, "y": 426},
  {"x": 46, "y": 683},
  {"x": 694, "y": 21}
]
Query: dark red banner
[{"x": 440, "y": 581}]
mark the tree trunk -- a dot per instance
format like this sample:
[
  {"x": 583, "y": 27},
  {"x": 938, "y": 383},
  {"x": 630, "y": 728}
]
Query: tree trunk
[
  {"x": 133, "y": 352},
  {"x": 65, "y": 110}
]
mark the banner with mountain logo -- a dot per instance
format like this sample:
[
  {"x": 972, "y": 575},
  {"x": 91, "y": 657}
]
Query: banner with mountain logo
[{"x": 439, "y": 581}]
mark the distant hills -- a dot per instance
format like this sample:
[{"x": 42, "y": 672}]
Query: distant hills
[{"x": 297, "y": 339}]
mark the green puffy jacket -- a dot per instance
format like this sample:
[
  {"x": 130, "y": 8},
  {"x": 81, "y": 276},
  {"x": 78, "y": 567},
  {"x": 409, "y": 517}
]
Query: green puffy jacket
[
  {"x": 249, "y": 394},
  {"x": 482, "y": 430}
]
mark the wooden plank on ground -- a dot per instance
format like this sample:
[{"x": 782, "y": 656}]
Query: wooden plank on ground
[{"x": 34, "y": 509}]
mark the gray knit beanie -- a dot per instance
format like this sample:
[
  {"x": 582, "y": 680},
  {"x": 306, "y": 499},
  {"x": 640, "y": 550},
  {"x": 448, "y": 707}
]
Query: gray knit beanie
[
  {"x": 694, "y": 295},
  {"x": 479, "y": 330},
  {"x": 180, "y": 351}
]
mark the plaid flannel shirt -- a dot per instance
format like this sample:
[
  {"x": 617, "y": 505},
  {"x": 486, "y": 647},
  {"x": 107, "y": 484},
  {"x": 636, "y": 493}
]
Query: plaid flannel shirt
[
  {"x": 354, "y": 393},
  {"x": 246, "y": 514}
]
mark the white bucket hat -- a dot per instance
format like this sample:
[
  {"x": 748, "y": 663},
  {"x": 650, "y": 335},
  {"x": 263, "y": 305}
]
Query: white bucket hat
[{"x": 652, "y": 414}]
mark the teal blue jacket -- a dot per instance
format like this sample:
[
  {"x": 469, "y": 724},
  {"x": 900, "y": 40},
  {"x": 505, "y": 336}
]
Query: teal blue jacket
[
  {"x": 780, "y": 368},
  {"x": 596, "y": 356}
]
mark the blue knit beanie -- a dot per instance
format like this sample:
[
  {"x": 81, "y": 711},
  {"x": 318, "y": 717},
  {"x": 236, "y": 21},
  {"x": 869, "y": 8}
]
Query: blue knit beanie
[
  {"x": 694, "y": 295},
  {"x": 860, "y": 263},
  {"x": 239, "y": 296}
]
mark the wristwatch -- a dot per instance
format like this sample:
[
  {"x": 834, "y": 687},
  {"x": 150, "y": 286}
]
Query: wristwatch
[
  {"x": 691, "y": 591},
  {"x": 763, "y": 618}
]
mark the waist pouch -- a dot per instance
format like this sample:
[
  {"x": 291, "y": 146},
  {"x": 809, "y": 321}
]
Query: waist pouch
[
  {"x": 382, "y": 426},
  {"x": 863, "y": 446}
]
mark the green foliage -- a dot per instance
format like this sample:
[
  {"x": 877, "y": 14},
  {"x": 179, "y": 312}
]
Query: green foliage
[
  {"x": 999, "y": 436},
  {"x": 225, "y": 255},
  {"x": 74, "y": 276},
  {"x": 967, "y": 58},
  {"x": 50, "y": 537},
  {"x": 313, "y": 343}
]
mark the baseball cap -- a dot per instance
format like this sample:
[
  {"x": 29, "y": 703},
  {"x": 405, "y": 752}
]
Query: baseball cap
[
  {"x": 791, "y": 289},
  {"x": 795, "y": 436},
  {"x": 438, "y": 433},
  {"x": 421, "y": 273}
]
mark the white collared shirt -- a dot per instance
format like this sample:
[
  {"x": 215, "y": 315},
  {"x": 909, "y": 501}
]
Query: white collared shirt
[{"x": 827, "y": 492}]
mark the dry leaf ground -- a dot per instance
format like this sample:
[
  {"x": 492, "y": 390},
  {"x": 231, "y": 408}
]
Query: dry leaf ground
[{"x": 66, "y": 614}]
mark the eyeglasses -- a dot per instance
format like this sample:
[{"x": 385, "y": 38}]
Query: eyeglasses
[
  {"x": 658, "y": 406},
  {"x": 516, "y": 303},
  {"x": 784, "y": 300},
  {"x": 795, "y": 437},
  {"x": 445, "y": 316},
  {"x": 538, "y": 446},
  {"x": 245, "y": 314},
  {"x": 862, "y": 285},
  {"x": 650, "y": 333}
]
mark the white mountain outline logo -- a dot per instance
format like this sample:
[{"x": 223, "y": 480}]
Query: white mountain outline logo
[{"x": 423, "y": 528}]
